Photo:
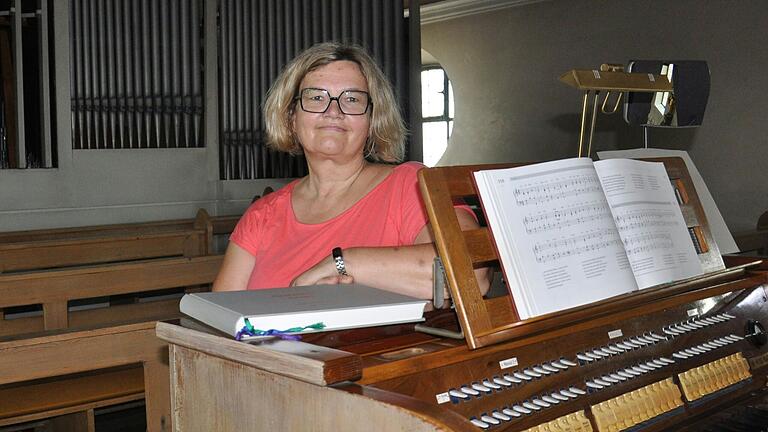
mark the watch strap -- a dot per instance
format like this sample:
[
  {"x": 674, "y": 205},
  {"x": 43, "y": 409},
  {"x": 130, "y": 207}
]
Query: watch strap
[{"x": 338, "y": 260}]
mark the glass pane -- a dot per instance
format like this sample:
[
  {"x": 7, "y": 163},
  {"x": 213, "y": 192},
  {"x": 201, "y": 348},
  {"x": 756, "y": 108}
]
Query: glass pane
[
  {"x": 432, "y": 93},
  {"x": 450, "y": 100},
  {"x": 435, "y": 142}
]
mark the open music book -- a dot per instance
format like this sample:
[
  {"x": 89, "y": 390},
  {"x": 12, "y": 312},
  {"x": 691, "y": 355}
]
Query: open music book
[
  {"x": 573, "y": 231},
  {"x": 336, "y": 307}
]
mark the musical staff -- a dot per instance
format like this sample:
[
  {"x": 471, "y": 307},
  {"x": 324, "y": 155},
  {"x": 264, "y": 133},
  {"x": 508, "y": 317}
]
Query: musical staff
[
  {"x": 645, "y": 218},
  {"x": 555, "y": 249},
  {"x": 645, "y": 243},
  {"x": 539, "y": 192},
  {"x": 566, "y": 217}
]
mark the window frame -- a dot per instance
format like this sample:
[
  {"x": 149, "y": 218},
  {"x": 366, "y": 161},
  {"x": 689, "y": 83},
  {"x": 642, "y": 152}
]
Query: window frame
[{"x": 445, "y": 116}]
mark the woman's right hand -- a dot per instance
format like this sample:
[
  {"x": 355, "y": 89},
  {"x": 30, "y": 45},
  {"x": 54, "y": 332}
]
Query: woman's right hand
[{"x": 322, "y": 273}]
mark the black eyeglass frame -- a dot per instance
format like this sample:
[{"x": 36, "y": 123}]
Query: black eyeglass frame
[{"x": 331, "y": 99}]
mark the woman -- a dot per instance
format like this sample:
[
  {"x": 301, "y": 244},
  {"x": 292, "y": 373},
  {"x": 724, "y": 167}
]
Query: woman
[{"x": 349, "y": 219}]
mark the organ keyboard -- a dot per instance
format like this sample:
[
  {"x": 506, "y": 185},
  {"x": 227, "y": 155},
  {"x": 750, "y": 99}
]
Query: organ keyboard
[
  {"x": 686, "y": 356},
  {"x": 652, "y": 369}
]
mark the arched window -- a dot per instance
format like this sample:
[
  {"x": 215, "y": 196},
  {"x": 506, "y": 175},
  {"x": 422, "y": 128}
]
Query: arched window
[{"x": 436, "y": 112}]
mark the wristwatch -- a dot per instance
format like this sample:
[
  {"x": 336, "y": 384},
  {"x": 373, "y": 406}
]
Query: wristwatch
[{"x": 338, "y": 259}]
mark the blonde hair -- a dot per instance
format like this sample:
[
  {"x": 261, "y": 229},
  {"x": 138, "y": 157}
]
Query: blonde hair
[{"x": 386, "y": 134}]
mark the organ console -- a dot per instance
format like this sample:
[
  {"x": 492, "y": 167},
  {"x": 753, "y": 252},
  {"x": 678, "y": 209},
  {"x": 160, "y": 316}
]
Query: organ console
[{"x": 689, "y": 355}]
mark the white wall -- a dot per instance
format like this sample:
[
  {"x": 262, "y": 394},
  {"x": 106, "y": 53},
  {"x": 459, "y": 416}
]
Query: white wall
[{"x": 510, "y": 106}]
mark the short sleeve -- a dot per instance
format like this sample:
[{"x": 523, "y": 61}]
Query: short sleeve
[
  {"x": 413, "y": 213},
  {"x": 246, "y": 230}
]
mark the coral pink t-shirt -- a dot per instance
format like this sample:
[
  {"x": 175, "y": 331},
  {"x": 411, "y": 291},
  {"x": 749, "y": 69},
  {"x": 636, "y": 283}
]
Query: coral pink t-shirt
[{"x": 392, "y": 214}]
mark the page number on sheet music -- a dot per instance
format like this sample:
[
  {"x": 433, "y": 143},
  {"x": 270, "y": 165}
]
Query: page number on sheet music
[
  {"x": 443, "y": 398},
  {"x": 613, "y": 334},
  {"x": 693, "y": 312},
  {"x": 508, "y": 363}
]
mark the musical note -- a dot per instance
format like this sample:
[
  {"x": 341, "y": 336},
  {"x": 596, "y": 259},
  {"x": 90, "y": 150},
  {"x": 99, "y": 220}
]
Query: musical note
[
  {"x": 645, "y": 243},
  {"x": 539, "y": 192},
  {"x": 555, "y": 249},
  {"x": 566, "y": 217},
  {"x": 645, "y": 218}
]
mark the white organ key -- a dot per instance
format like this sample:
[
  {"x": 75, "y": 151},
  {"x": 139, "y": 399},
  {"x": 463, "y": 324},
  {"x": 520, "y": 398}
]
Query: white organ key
[
  {"x": 531, "y": 373},
  {"x": 511, "y": 412},
  {"x": 594, "y": 385},
  {"x": 479, "y": 423},
  {"x": 521, "y": 409},
  {"x": 518, "y": 375},
  {"x": 458, "y": 394},
  {"x": 511, "y": 378},
  {"x": 550, "y": 399},
  {"x": 531, "y": 406},
  {"x": 501, "y": 416},
  {"x": 550, "y": 368},
  {"x": 601, "y": 382},
  {"x": 650, "y": 365},
  {"x": 617, "y": 377}
]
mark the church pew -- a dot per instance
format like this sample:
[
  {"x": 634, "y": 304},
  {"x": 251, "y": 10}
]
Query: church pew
[
  {"x": 68, "y": 247},
  {"x": 87, "y": 342},
  {"x": 92, "y": 368},
  {"x": 40, "y": 249},
  {"x": 54, "y": 289},
  {"x": 53, "y": 267}
]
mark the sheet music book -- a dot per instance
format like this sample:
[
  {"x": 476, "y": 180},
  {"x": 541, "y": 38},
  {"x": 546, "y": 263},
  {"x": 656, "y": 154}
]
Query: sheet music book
[
  {"x": 335, "y": 306},
  {"x": 720, "y": 231},
  {"x": 573, "y": 231}
]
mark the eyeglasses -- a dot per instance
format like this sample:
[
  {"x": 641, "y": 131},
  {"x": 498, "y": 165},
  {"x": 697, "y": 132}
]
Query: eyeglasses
[{"x": 351, "y": 102}]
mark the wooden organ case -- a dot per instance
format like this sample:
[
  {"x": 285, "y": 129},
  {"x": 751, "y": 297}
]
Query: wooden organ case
[{"x": 684, "y": 356}]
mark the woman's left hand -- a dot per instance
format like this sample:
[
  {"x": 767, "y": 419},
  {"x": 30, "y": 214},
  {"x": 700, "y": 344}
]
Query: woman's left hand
[{"x": 322, "y": 273}]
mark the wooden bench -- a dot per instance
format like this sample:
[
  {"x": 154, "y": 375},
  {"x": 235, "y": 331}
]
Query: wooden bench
[
  {"x": 62, "y": 247},
  {"x": 68, "y": 361},
  {"x": 34, "y": 367}
]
